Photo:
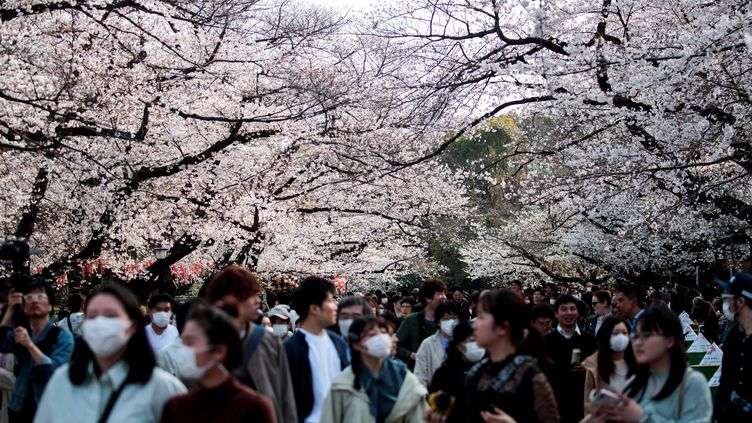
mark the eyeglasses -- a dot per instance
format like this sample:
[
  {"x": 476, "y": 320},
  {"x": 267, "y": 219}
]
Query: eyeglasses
[
  {"x": 643, "y": 336},
  {"x": 35, "y": 297}
]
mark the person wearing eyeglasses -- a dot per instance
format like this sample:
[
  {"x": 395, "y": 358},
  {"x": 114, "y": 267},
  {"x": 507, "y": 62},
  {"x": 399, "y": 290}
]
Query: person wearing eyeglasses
[
  {"x": 664, "y": 388},
  {"x": 40, "y": 347},
  {"x": 601, "y": 304}
]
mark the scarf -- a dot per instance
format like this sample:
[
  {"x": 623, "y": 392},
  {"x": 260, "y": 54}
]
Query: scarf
[{"x": 383, "y": 391}]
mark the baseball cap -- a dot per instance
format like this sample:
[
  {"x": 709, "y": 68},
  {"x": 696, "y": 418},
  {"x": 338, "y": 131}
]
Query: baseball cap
[
  {"x": 739, "y": 285},
  {"x": 280, "y": 312}
]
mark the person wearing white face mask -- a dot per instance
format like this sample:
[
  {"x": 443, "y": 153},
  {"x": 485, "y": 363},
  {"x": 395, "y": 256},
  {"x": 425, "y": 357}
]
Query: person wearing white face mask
[
  {"x": 211, "y": 345},
  {"x": 462, "y": 354},
  {"x": 280, "y": 318},
  {"x": 613, "y": 364},
  {"x": 374, "y": 388},
  {"x": 113, "y": 370},
  {"x": 432, "y": 351},
  {"x": 160, "y": 332}
]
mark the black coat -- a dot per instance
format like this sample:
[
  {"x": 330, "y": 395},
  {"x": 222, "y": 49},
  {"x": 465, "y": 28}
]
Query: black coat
[
  {"x": 568, "y": 381},
  {"x": 300, "y": 369}
]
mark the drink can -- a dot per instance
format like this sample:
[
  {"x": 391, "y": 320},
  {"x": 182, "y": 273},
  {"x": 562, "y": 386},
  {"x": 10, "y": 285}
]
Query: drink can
[{"x": 576, "y": 356}]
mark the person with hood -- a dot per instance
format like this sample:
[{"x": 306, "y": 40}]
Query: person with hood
[{"x": 374, "y": 388}]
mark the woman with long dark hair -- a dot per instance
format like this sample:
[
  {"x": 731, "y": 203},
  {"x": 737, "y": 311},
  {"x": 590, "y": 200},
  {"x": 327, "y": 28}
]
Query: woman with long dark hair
[
  {"x": 665, "y": 389},
  {"x": 112, "y": 375},
  {"x": 613, "y": 364},
  {"x": 507, "y": 385},
  {"x": 210, "y": 349},
  {"x": 374, "y": 388},
  {"x": 462, "y": 354}
]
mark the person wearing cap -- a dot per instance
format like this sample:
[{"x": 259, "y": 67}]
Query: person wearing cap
[
  {"x": 733, "y": 402},
  {"x": 280, "y": 318}
]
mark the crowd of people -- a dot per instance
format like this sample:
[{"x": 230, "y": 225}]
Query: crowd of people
[{"x": 510, "y": 354}]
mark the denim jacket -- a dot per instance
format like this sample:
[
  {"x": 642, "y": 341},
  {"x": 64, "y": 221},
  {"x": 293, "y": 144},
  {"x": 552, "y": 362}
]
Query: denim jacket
[{"x": 37, "y": 374}]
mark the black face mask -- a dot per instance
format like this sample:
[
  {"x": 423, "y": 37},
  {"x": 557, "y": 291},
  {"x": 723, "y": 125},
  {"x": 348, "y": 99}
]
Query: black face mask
[{"x": 230, "y": 309}]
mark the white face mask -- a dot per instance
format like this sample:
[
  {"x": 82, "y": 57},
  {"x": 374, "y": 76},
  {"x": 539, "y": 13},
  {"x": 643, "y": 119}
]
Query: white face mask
[
  {"x": 269, "y": 329},
  {"x": 447, "y": 326},
  {"x": 552, "y": 301},
  {"x": 280, "y": 330},
  {"x": 161, "y": 318},
  {"x": 344, "y": 326},
  {"x": 473, "y": 353},
  {"x": 730, "y": 315},
  {"x": 185, "y": 357},
  {"x": 105, "y": 335},
  {"x": 619, "y": 342},
  {"x": 384, "y": 301},
  {"x": 379, "y": 346}
]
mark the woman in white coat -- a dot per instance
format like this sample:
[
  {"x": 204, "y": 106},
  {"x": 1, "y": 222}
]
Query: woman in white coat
[{"x": 374, "y": 388}]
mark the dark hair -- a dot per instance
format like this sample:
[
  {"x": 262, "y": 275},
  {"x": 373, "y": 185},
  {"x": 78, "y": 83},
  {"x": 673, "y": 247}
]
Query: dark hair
[
  {"x": 409, "y": 299},
  {"x": 220, "y": 330},
  {"x": 538, "y": 289},
  {"x": 159, "y": 298},
  {"x": 360, "y": 326},
  {"x": 462, "y": 331},
  {"x": 475, "y": 297},
  {"x": 181, "y": 312},
  {"x": 542, "y": 310},
  {"x": 565, "y": 299},
  {"x": 605, "y": 362},
  {"x": 75, "y": 302},
  {"x": 312, "y": 291},
  {"x": 602, "y": 296},
  {"x": 552, "y": 285},
  {"x": 661, "y": 320},
  {"x": 37, "y": 284},
  {"x": 455, "y": 289},
  {"x": 283, "y": 297},
  {"x": 390, "y": 319},
  {"x": 138, "y": 352},
  {"x": 516, "y": 282},
  {"x": 353, "y": 301},
  {"x": 631, "y": 291},
  {"x": 507, "y": 306},
  {"x": 429, "y": 288},
  {"x": 233, "y": 280},
  {"x": 447, "y": 307}
]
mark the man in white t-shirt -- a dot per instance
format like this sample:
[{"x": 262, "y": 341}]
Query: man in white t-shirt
[
  {"x": 160, "y": 332},
  {"x": 316, "y": 355}
]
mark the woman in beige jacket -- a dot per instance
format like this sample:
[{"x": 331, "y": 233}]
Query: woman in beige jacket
[
  {"x": 613, "y": 364},
  {"x": 374, "y": 387}
]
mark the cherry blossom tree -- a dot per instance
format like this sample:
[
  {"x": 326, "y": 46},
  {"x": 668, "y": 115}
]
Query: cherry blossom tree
[
  {"x": 637, "y": 157},
  {"x": 256, "y": 132}
]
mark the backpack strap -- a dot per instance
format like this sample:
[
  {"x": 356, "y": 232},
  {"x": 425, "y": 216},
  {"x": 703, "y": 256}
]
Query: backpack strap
[
  {"x": 253, "y": 342},
  {"x": 111, "y": 402},
  {"x": 70, "y": 325},
  {"x": 681, "y": 394}
]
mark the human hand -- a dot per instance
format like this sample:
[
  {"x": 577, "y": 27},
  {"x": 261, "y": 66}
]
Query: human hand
[
  {"x": 629, "y": 411},
  {"x": 434, "y": 417},
  {"x": 578, "y": 370},
  {"x": 498, "y": 416},
  {"x": 412, "y": 356},
  {"x": 22, "y": 337}
]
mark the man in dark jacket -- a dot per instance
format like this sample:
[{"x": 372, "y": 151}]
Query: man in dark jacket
[
  {"x": 316, "y": 355},
  {"x": 567, "y": 376},
  {"x": 733, "y": 402},
  {"x": 419, "y": 326}
]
